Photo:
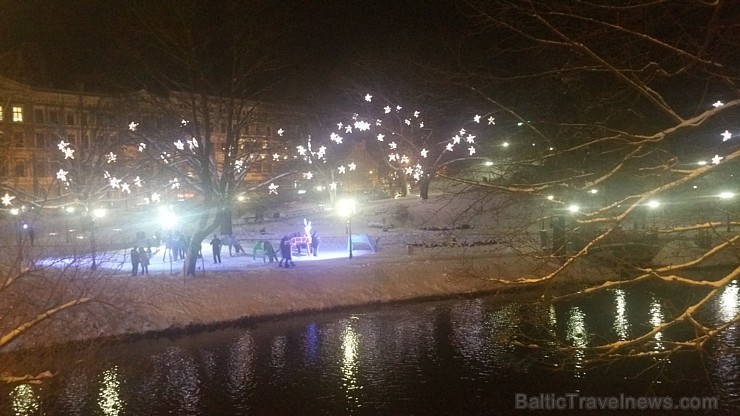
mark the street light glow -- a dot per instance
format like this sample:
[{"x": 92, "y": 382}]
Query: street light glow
[
  {"x": 574, "y": 208},
  {"x": 99, "y": 212},
  {"x": 727, "y": 195},
  {"x": 346, "y": 207},
  {"x": 653, "y": 204}
]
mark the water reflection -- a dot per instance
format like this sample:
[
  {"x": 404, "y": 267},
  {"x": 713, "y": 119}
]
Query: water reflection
[
  {"x": 24, "y": 400},
  {"x": 109, "y": 398},
  {"x": 578, "y": 337},
  {"x": 350, "y": 358},
  {"x": 729, "y": 302},
  {"x": 452, "y": 357},
  {"x": 621, "y": 324},
  {"x": 657, "y": 318}
]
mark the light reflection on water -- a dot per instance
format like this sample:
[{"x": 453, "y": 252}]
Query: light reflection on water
[{"x": 449, "y": 357}]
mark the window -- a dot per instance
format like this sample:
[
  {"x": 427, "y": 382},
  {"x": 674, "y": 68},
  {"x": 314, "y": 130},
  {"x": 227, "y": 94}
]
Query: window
[
  {"x": 38, "y": 115},
  {"x": 70, "y": 119},
  {"x": 19, "y": 139},
  {"x": 20, "y": 169},
  {"x": 40, "y": 139},
  {"x": 41, "y": 168},
  {"x": 1, "y": 113},
  {"x": 83, "y": 119},
  {"x": 17, "y": 114},
  {"x": 53, "y": 116}
]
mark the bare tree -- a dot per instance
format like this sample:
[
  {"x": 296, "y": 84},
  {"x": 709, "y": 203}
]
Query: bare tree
[
  {"x": 208, "y": 67},
  {"x": 631, "y": 108}
]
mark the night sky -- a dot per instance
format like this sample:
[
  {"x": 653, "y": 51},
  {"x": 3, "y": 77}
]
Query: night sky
[{"x": 63, "y": 43}]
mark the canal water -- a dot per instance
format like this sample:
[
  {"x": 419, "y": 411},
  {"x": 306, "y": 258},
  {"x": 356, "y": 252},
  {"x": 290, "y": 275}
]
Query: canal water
[{"x": 453, "y": 357}]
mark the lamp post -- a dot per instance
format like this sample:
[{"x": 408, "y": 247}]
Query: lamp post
[
  {"x": 16, "y": 212},
  {"x": 346, "y": 209},
  {"x": 96, "y": 213},
  {"x": 727, "y": 196}
]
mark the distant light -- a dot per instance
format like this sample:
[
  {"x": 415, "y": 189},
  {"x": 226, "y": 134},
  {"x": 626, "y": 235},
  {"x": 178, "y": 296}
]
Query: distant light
[
  {"x": 551, "y": 197},
  {"x": 240, "y": 198},
  {"x": 653, "y": 204},
  {"x": 574, "y": 208},
  {"x": 99, "y": 212},
  {"x": 701, "y": 162},
  {"x": 594, "y": 191},
  {"x": 489, "y": 163},
  {"x": 15, "y": 211},
  {"x": 70, "y": 210},
  {"x": 519, "y": 124},
  {"x": 726, "y": 195},
  {"x": 301, "y": 191},
  {"x": 346, "y": 207},
  {"x": 505, "y": 144}
]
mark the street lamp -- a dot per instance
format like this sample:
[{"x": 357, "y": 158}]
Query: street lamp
[
  {"x": 346, "y": 208},
  {"x": 16, "y": 212},
  {"x": 727, "y": 196},
  {"x": 96, "y": 213},
  {"x": 653, "y": 205}
]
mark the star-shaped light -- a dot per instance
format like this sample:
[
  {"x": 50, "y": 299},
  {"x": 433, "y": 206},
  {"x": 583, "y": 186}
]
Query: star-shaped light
[
  {"x": 348, "y": 129},
  {"x": 175, "y": 184},
  {"x": 392, "y": 145},
  {"x": 404, "y": 159},
  {"x": 470, "y": 138},
  {"x": 110, "y": 157},
  {"x": 416, "y": 114},
  {"x": 726, "y": 135},
  {"x": 179, "y": 144},
  {"x": 125, "y": 188},
  {"x": 368, "y": 97},
  {"x": 301, "y": 150},
  {"x": 352, "y": 166},
  {"x": 387, "y": 109},
  {"x": 362, "y": 125},
  {"x": 424, "y": 153},
  {"x": 340, "y": 125},
  {"x": 142, "y": 146},
  {"x": 471, "y": 149},
  {"x": 275, "y": 157},
  {"x": 491, "y": 121},
  {"x": 273, "y": 188},
  {"x": 381, "y": 137},
  {"x": 336, "y": 138},
  {"x": 115, "y": 183},
  {"x": 62, "y": 175},
  {"x": 476, "y": 118},
  {"x": 156, "y": 197},
  {"x": 718, "y": 104},
  {"x": 137, "y": 182},
  {"x": 456, "y": 140},
  {"x": 69, "y": 153},
  {"x": 449, "y": 147},
  {"x": 333, "y": 186},
  {"x": 280, "y": 132},
  {"x": 6, "y": 199},
  {"x": 392, "y": 157},
  {"x": 341, "y": 169},
  {"x": 133, "y": 126},
  {"x": 408, "y": 122},
  {"x": 398, "y": 108},
  {"x": 716, "y": 159},
  {"x": 308, "y": 175},
  {"x": 62, "y": 145}
]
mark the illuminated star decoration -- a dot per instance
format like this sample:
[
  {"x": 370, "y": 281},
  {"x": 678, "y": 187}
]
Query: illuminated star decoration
[
  {"x": 183, "y": 122},
  {"x": 280, "y": 132},
  {"x": 62, "y": 175},
  {"x": 491, "y": 121},
  {"x": 110, "y": 157},
  {"x": 7, "y": 198},
  {"x": 275, "y": 156},
  {"x": 62, "y": 145},
  {"x": 133, "y": 126},
  {"x": 726, "y": 135},
  {"x": 476, "y": 118},
  {"x": 142, "y": 146},
  {"x": 718, "y": 104},
  {"x": 368, "y": 97},
  {"x": 716, "y": 159},
  {"x": 125, "y": 188},
  {"x": 115, "y": 183},
  {"x": 471, "y": 149},
  {"x": 308, "y": 175},
  {"x": 137, "y": 182},
  {"x": 273, "y": 188},
  {"x": 69, "y": 153},
  {"x": 341, "y": 169},
  {"x": 424, "y": 153},
  {"x": 179, "y": 145},
  {"x": 333, "y": 186},
  {"x": 381, "y": 137},
  {"x": 175, "y": 184},
  {"x": 155, "y": 197},
  {"x": 352, "y": 166}
]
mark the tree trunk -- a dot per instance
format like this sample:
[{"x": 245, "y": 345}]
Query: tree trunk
[
  {"x": 424, "y": 186},
  {"x": 225, "y": 221},
  {"x": 192, "y": 253}
]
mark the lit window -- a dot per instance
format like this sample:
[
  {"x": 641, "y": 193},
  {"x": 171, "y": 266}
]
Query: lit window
[
  {"x": 1, "y": 113},
  {"x": 17, "y": 114}
]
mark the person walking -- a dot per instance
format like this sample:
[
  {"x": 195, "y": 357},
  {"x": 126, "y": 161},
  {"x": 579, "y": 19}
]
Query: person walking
[
  {"x": 216, "y": 245},
  {"x": 134, "y": 261},
  {"x": 286, "y": 252},
  {"x": 230, "y": 242},
  {"x": 144, "y": 261}
]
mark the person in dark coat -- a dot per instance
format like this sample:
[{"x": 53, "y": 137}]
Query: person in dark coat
[
  {"x": 286, "y": 252},
  {"x": 134, "y": 261},
  {"x": 216, "y": 245},
  {"x": 144, "y": 261},
  {"x": 315, "y": 243}
]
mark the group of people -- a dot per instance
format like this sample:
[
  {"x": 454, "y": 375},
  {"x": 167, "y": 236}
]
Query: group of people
[
  {"x": 286, "y": 249},
  {"x": 140, "y": 256},
  {"x": 140, "y": 259}
]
